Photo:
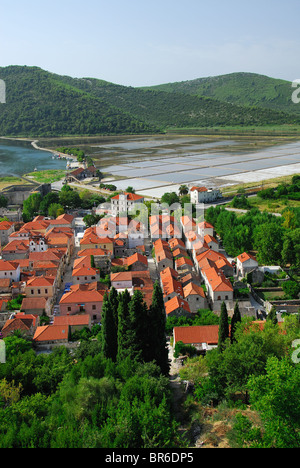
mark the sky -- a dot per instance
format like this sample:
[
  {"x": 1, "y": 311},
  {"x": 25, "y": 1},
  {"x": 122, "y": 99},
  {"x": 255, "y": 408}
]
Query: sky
[{"x": 139, "y": 43}]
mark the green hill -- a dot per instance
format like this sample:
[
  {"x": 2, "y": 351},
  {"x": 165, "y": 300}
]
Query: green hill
[
  {"x": 165, "y": 109},
  {"x": 243, "y": 89},
  {"x": 40, "y": 103}
]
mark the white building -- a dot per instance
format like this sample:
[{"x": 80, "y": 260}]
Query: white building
[
  {"x": 9, "y": 270},
  {"x": 244, "y": 264},
  {"x": 124, "y": 202},
  {"x": 204, "y": 195}
]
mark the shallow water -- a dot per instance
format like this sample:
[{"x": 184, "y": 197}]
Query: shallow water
[{"x": 19, "y": 158}]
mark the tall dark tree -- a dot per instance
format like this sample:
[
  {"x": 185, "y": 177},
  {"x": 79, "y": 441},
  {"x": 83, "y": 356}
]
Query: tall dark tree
[
  {"x": 138, "y": 325},
  {"x": 223, "y": 328},
  {"x": 272, "y": 316},
  {"x": 156, "y": 331},
  {"x": 236, "y": 318},
  {"x": 124, "y": 327},
  {"x": 109, "y": 328}
]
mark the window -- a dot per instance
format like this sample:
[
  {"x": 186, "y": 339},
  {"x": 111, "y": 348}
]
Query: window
[
  {"x": 46, "y": 291},
  {"x": 39, "y": 291},
  {"x": 93, "y": 307},
  {"x": 69, "y": 309}
]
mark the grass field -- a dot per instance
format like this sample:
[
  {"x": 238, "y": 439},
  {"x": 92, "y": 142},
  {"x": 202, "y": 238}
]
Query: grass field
[
  {"x": 8, "y": 181},
  {"x": 266, "y": 130},
  {"x": 46, "y": 177}
]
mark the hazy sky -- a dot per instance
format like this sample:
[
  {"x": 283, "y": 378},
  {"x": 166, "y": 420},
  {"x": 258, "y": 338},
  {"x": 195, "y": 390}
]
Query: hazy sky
[{"x": 138, "y": 43}]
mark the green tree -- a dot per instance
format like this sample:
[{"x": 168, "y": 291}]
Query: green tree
[
  {"x": 31, "y": 206},
  {"x": 124, "y": 326},
  {"x": 223, "y": 328},
  {"x": 156, "y": 338},
  {"x": 55, "y": 209},
  {"x": 183, "y": 190},
  {"x": 276, "y": 396},
  {"x": 272, "y": 316},
  {"x": 138, "y": 325},
  {"x": 236, "y": 319},
  {"x": 268, "y": 240},
  {"x": 109, "y": 330}
]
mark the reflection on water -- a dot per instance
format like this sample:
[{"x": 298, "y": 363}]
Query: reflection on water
[{"x": 19, "y": 158}]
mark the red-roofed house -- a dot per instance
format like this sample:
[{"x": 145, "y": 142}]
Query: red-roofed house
[
  {"x": 219, "y": 288},
  {"x": 75, "y": 322},
  {"x": 123, "y": 202},
  {"x": 205, "y": 229},
  {"x": 52, "y": 334},
  {"x": 81, "y": 299},
  {"x": 64, "y": 220},
  {"x": 41, "y": 286},
  {"x": 245, "y": 264},
  {"x": 16, "y": 249},
  {"x": 177, "y": 307},
  {"x": 25, "y": 323},
  {"x": 195, "y": 297},
  {"x": 122, "y": 280},
  {"x": 84, "y": 274},
  {"x": 204, "y": 195},
  {"x": 10, "y": 269},
  {"x": 203, "y": 338},
  {"x": 137, "y": 262},
  {"x": 6, "y": 229},
  {"x": 36, "y": 305}
]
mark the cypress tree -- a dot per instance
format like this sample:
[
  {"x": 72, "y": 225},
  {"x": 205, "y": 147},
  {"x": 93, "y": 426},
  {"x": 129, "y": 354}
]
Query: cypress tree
[
  {"x": 236, "y": 318},
  {"x": 138, "y": 324},
  {"x": 109, "y": 327},
  {"x": 123, "y": 326},
  {"x": 156, "y": 337},
  {"x": 223, "y": 328},
  {"x": 272, "y": 316}
]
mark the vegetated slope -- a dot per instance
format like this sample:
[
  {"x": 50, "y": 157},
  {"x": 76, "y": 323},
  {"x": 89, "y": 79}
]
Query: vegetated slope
[
  {"x": 38, "y": 104},
  {"x": 43, "y": 104},
  {"x": 167, "y": 109},
  {"x": 244, "y": 89}
]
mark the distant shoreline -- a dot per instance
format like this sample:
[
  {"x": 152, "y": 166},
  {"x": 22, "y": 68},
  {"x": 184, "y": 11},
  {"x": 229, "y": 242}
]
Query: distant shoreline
[{"x": 34, "y": 143}]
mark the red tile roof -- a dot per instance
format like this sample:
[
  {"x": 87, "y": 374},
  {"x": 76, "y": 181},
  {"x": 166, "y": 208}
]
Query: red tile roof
[
  {"x": 33, "y": 303},
  {"x": 217, "y": 280},
  {"x": 51, "y": 333},
  {"x": 245, "y": 256},
  {"x": 72, "y": 320},
  {"x": 176, "y": 303},
  {"x": 193, "y": 289},
  {"x": 6, "y": 265},
  {"x": 130, "y": 197},
  {"x": 199, "y": 189},
  {"x": 85, "y": 271},
  {"x": 137, "y": 257},
  {"x": 197, "y": 335},
  {"x": 38, "y": 281},
  {"x": 82, "y": 295}
]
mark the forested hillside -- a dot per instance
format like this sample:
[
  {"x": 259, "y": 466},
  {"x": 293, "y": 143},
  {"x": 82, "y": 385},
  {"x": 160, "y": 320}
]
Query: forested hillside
[
  {"x": 243, "y": 89},
  {"x": 39, "y": 103},
  {"x": 177, "y": 109}
]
